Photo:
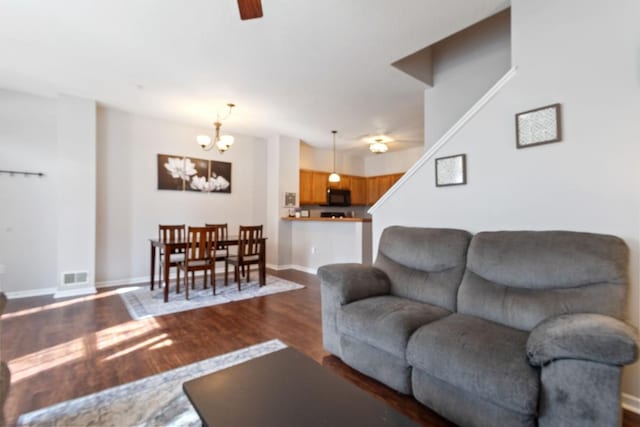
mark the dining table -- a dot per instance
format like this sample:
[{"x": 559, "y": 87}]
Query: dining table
[{"x": 180, "y": 245}]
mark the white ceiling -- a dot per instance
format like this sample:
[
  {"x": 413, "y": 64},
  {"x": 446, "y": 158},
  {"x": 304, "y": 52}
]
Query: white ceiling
[{"x": 306, "y": 67}]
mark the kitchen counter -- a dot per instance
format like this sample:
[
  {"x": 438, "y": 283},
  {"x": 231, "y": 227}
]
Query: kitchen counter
[
  {"x": 316, "y": 241},
  {"x": 317, "y": 218}
]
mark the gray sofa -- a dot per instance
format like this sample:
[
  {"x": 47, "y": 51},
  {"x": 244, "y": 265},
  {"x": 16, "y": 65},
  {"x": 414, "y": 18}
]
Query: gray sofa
[{"x": 512, "y": 328}]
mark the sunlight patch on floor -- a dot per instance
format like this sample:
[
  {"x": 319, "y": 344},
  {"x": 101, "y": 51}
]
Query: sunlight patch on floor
[
  {"x": 57, "y": 355},
  {"x": 34, "y": 363},
  {"x": 135, "y": 347},
  {"x": 117, "y": 334},
  {"x": 67, "y": 303}
]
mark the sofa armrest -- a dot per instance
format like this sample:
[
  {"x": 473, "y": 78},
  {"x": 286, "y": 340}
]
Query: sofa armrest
[
  {"x": 592, "y": 337},
  {"x": 352, "y": 282}
]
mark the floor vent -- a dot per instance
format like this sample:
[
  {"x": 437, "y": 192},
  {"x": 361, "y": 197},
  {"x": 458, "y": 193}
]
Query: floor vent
[{"x": 75, "y": 278}]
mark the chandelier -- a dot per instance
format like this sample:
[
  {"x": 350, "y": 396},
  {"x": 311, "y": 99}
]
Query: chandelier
[
  {"x": 221, "y": 142},
  {"x": 378, "y": 146}
]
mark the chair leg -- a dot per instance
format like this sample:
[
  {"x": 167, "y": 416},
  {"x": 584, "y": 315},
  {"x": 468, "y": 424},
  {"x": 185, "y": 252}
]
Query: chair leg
[
  {"x": 205, "y": 279},
  {"x": 186, "y": 283},
  {"x": 248, "y": 273},
  {"x": 213, "y": 278},
  {"x": 237, "y": 274},
  {"x": 193, "y": 279},
  {"x": 226, "y": 273},
  {"x": 178, "y": 279}
]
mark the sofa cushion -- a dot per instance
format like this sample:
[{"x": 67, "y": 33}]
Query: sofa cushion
[
  {"x": 386, "y": 322},
  {"x": 424, "y": 264},
  {"x": 478, "y": 356},
  {"x": 520, "y": 278}
]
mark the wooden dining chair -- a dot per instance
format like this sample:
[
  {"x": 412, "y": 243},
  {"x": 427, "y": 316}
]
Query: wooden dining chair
[
  {"x": 199, "y": 256},
  {"x": 171, "y": 233},
  {"x": 222, "y": 234},
  {"x": 250, "y": 251}
]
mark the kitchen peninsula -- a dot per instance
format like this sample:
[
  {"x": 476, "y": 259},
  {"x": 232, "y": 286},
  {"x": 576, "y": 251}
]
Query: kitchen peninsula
[{"x": 318, "y": 241}]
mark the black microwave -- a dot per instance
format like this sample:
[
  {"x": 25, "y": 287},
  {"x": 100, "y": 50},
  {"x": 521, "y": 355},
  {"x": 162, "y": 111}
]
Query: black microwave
[{"x": 337, "y": 197}]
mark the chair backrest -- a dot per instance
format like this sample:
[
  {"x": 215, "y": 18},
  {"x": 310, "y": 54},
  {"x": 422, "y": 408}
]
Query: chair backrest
[
  {"x": 520, "y": 278},
  {"x": 171, "y": 233},
  {"x": 424, "y": 264},
  {"x": 249, "y": 240},
  {"x": 201, "y": 244},
  {"x": 222, "y": 232}
]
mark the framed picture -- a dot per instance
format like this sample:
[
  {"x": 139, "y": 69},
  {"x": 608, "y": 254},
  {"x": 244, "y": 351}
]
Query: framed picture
[
  {"x": 304, "y": 213},
  {"x": 539, "y": 126},
  {"x": 451, "y": 170},
  {"x": 181, "y": 173},
  {"x": 289, "y": 200}
]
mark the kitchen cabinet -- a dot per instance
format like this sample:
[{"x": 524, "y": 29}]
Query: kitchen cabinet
[
  {"x": 364, "y": 191},
  {"x": 358, "y": 190},
  {"x": 313, "y": 187},
  {"x": 378, "y": 185},
  {"x": 306, "y": 178},
  {"x": 319, "y": 181}
]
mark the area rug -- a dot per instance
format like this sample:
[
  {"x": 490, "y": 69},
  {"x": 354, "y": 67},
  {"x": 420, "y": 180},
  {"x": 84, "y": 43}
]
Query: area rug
[
  {"x": 143, "y": 303},
  {"x": 153, "y": 401}
]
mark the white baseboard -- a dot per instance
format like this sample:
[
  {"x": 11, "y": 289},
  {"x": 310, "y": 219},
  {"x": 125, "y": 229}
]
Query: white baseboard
[
  {"x": 631, "y": 403},
  {"x": 124, "y": 282},
  {"x": 31, "y": 293}
]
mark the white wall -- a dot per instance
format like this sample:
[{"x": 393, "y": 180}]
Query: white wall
[
  {"x": 283, "y": 160},
  {"x": 392, "y": 161},
  {"x": 465, "y": 66},
  {"x": 76, "y": 159},
  {"x": 585, "y": 56},
  {"x": 322, "y": 160},
  {"x": 353, "y": 162},
  {"x": 129, "y": 205},
  {"x": 29, "y": 216}
]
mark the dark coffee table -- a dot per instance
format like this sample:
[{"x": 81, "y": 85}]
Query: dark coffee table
[{"x": 285, "y": 388}]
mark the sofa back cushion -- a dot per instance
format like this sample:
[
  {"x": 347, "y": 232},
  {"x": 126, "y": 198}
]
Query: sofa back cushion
[
  {"x": 520, "y": 278},
  {"x": 424, "y": 264}
]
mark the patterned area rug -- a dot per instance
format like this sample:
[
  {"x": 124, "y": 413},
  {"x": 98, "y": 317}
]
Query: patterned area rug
[
  {"x": 142, "y": 302},
  {"x": 153, "y": 401}
]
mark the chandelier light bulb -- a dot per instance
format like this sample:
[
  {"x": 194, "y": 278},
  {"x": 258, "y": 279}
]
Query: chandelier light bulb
[{"x": 203, "y": 140}]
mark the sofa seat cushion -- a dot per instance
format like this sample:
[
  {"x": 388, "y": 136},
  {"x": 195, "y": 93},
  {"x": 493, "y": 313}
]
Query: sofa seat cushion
[
  {"x": 386, "y": 322},
  {"x": 478, "y": 356}
]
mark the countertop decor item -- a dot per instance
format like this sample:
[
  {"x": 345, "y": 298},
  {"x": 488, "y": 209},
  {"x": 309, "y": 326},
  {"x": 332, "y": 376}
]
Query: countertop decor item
[
  {"x": 451, "y": 170},
  {"x": 538, "y": 126},
  {"x": 289, "y": 200}
]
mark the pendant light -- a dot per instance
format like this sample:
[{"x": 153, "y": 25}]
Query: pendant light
[{"x": 334, "y": 177}]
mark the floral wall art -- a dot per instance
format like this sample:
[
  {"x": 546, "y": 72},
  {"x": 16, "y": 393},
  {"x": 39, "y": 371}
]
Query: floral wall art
[{"x": 188, "y": 174}]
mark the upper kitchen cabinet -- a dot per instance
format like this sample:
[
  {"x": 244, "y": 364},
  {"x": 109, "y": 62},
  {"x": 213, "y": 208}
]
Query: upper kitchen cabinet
[
  {"x": 313, "y": 187},
  {"x": 358, "y": 190},
  {"x": 378, "y": 185},
  {"x": 364, "y": 191}
]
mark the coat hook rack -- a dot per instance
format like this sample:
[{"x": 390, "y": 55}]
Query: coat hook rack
[{"x": 24, "y": 173}]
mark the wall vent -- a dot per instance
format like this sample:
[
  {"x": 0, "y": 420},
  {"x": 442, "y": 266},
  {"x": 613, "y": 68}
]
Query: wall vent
[{"x": 75, "y": 278}]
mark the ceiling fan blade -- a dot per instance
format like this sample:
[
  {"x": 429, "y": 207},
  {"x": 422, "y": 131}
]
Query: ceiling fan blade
[{"x": 250, "y": 9}]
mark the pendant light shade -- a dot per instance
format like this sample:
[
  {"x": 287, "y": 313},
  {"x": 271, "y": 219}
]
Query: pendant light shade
[{"x": 334, "y": 177}]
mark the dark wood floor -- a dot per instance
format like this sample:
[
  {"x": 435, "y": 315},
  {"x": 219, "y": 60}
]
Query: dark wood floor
[{"x": 62, "y": 349}]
